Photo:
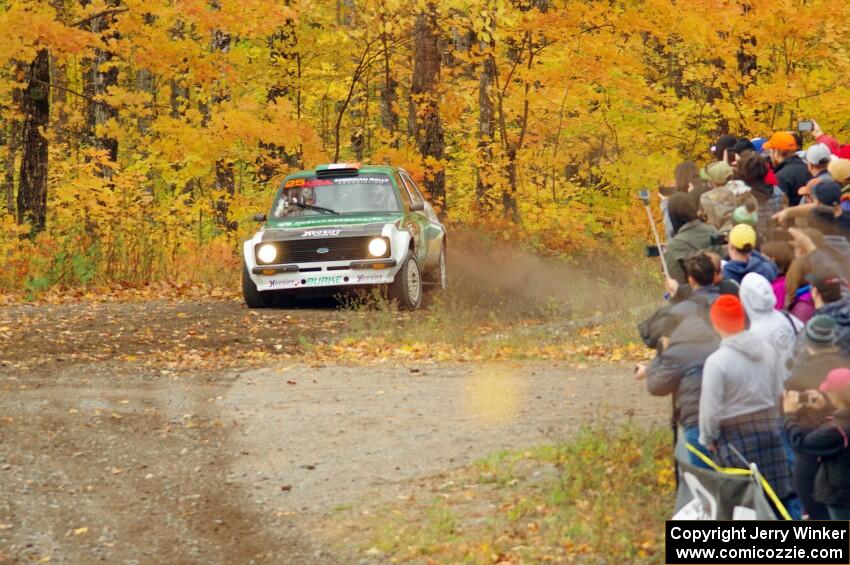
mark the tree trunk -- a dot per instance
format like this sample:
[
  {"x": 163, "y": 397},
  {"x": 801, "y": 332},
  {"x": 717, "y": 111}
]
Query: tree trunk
[
  {"x": 32, "y": 192},
  {"x": 486, "y": 130},
  {"x": 389, "y": 96},
  {"x": 225, "y": 178},
  {"x": 97, "y": 82},
  {"x": 285, "y": 59},
  {"x": 426, "y": 98},
  {"x": 13, "y": 142}
]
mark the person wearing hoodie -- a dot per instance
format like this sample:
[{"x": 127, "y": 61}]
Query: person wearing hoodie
[
  {"x": 744, "y": 258},
  {"x": 791, "y": 172},
  {"x": 741, "y": 389},
  {"x": 692, "y": 235},
  {"x": 829, "y": 442},
  {"x": 779, "y": 329},
  {"x": 815, "y": 356},
  {"x": 832, "y": 298}
]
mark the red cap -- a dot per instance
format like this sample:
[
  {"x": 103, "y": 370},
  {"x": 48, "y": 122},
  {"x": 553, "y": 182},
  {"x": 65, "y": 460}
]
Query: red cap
[
  {"x": 727, "y": 314},
  {"x": 836, "y": 381}
]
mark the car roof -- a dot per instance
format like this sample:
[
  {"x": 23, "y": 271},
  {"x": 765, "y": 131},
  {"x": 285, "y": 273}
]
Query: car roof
[{"x": 386, "y": 169}]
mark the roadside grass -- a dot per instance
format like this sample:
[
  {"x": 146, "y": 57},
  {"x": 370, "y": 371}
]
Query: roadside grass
[
  {"x": 600, "y": 497},
  {"x": 468, "y": 326}
]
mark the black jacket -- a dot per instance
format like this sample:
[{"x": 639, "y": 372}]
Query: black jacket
[
  {"x": 686, "y": 302},
  {"x": 791, "y": 174},
  {"x": 678, "y": 369},
  {"x": 831, "y": 445}
]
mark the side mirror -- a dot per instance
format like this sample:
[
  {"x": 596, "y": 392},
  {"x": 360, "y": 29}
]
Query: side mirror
[
  {"x": 260, "y": 217},
  {"x": 417, "y": 206}
]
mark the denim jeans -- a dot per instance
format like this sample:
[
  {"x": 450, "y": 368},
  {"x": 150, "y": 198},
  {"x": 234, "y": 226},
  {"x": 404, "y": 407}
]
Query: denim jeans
[{"x": 691, "y": 435}]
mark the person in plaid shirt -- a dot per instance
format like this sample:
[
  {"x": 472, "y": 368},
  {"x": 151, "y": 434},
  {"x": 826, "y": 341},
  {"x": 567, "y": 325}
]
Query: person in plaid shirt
[{"x": 739, "y": 403}]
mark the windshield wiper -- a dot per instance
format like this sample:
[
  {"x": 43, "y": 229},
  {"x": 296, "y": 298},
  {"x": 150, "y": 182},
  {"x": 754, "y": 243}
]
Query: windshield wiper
[{"x": 318, "y": 208}]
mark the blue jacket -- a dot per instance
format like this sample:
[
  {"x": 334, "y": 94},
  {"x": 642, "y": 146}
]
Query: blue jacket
[{"x": 736, "y": 270}]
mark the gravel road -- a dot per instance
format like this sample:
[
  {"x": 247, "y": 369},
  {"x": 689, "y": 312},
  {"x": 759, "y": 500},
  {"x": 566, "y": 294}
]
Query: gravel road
[{"x": 108, "y": 459}]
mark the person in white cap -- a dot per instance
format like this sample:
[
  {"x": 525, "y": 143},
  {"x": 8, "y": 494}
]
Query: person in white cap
[{"x": 817, "y": 160}]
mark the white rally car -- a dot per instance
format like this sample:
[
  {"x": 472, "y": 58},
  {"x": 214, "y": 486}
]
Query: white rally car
[{"x": 343, "y": 226}]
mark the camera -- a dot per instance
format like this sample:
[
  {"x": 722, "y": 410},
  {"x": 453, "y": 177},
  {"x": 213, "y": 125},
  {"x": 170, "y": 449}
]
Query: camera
[
  {"x": 805, "y": 125},
  {"x": 652, "y": 251},
  {"x": 644, "y": 196},
  {"x": 719, "y": 239}
]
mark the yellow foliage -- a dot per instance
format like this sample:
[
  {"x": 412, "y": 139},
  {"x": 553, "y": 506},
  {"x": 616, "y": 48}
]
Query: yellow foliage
[{"x": 214, "y": 103}]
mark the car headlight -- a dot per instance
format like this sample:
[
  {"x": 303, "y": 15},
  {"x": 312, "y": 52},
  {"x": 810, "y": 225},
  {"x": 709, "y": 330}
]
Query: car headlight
[
  {"x": 267, "y": 253},
  {"x": 378, "y": 247}
]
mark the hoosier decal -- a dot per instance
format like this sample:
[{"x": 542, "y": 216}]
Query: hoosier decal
[{"x": 320, "y": 233}]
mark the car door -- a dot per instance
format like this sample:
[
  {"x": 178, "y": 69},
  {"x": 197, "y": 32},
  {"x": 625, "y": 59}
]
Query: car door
[
  {"x": 430, "y": 230},
  {"x": 416, "y": 221}
]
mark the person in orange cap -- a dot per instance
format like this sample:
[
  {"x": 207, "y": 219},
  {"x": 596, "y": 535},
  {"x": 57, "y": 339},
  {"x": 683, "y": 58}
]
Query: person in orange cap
[
  {"x": 791, "y": 171},
  {"x": 738, "y": 406}
]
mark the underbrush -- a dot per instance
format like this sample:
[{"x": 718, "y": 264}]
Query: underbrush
[{"x": 601, "y": 497}]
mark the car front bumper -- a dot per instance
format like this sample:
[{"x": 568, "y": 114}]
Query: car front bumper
[{"x": 355, "y": 273}]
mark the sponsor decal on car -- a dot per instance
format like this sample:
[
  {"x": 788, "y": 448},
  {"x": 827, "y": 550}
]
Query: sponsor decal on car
[
  {"x": 292, "y": 183},
  {"x": 284, "y": 283},
  {"x": 323, "y": 280},
  {"x": 320, "y": 233},
  {"x": 370, "y": 278},
  {"x": 363, "y": 180}
]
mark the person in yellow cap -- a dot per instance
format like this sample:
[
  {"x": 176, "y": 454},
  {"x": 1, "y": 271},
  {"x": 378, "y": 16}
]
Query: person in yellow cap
[
  {"x": 791, "y": 171},
  {"x": 744, "y": 258}
]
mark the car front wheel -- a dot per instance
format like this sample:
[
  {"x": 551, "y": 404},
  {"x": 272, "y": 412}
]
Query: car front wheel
[
  {"x": 406, "y": 289},
  {"x": 253, "y": 297}
]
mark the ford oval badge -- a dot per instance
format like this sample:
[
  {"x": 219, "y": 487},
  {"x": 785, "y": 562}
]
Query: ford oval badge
[{"x": 322, "y": 250}]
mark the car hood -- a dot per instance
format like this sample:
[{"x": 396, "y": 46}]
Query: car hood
[{"x": 327, "y": 226}]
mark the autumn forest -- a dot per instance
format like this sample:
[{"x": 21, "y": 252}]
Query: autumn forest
[{"x": 138, "y": 138}]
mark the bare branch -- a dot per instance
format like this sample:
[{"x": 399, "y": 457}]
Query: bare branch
[{"x": 93, "y": 17}]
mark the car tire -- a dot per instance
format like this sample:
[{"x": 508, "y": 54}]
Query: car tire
[
  {"x": 439, "y": 277},
  {"x": 406, "y": 289},
  {"x": 253, "y": 297}
]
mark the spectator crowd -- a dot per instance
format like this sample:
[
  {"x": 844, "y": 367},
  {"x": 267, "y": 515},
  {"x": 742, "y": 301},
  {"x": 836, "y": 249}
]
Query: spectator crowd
[{"x": 753, "y": 343}]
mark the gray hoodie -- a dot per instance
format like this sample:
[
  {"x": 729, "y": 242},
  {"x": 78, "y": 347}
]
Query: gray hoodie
[
  {"x": 742, "y": 377},
  {"x": 777, "y": 328}
]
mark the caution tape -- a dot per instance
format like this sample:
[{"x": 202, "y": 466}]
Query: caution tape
[{"x": 742, "y": 472}]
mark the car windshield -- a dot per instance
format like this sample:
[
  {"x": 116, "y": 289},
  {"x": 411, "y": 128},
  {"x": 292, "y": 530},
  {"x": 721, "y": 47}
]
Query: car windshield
[{"x": 342, "y": 195}]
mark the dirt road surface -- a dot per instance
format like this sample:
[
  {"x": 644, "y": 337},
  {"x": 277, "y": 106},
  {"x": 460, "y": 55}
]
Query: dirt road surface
[{"x": 108, "y": 453}]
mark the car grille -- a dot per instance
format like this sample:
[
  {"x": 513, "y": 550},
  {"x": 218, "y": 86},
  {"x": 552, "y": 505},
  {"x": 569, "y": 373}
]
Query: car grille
[{"x": 339, "y": 249}]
